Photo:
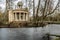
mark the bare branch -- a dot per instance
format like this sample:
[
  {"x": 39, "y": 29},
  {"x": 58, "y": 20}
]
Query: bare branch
[
  {"x": 33, "y": 9},
  {"x": 44, "y": 8},
  {"x": 53, "y": 10},
  {"x": 38, "y": 8}
]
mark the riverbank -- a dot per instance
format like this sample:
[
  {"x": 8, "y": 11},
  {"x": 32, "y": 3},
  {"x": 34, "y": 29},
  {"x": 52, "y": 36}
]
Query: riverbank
[
  {"x": 54, "y": 22},
  {"x": 27, "y": 24},
  {"x": 22, "y": 25}
]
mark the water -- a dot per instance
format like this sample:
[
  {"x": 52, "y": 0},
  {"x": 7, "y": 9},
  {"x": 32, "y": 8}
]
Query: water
[
  {"x": 28, "y": 33},
  {"x": 54, "y": 29}
]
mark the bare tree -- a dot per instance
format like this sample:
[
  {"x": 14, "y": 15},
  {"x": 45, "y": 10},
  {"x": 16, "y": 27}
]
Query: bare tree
[
  {"x": 33, "y": 10},
  {"x": 51, "y": 10},
  {"x": 47, "y": 7},
  {"x": 26, "y": 3},
  {"x": 30, "y": 4},
  {"x": 37, "y": 10},
  {"x": 8, "y": 6}
]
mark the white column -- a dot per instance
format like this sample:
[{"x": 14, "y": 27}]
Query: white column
[
  {"x": 20, "y": 16},
  {"x": 27, "y": 17},
  {"x": 15, "y": 17},
  {"x": 24, "y": 16}
]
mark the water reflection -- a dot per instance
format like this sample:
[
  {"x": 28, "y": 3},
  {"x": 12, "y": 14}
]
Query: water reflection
[
  {"x": 20, "y": 33},
  {"x": 28, "y": 33},
  {"x": 54, "y": 29}
]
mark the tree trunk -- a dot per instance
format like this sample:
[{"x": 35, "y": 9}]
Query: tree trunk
[{"x": 33, "y": 10}]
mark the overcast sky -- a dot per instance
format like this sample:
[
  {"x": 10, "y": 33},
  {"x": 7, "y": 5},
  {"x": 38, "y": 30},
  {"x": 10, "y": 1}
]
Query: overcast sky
[{"x": 3, "y": 2}]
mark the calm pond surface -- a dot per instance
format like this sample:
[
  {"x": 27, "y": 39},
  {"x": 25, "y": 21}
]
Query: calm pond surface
[{"x": 28, "y": 33}]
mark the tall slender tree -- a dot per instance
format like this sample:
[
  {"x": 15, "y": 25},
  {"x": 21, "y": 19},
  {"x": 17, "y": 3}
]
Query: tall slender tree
[
  {"x": 8, "y": 6},
  {"x": 33, "y": 10},
  {"x": 47, "y": 7},
  {"x": 26, "y": 3},
  {"x": 37, "y": 10}
]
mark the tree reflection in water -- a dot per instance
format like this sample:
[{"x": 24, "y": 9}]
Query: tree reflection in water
[{"x": 21, "y": 34}]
